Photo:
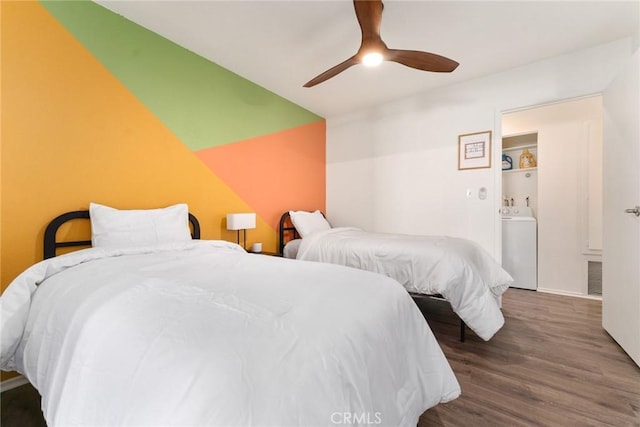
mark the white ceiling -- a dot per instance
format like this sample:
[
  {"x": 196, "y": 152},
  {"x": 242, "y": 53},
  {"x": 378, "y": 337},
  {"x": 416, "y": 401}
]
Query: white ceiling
[{"x": 280, "y": 45}]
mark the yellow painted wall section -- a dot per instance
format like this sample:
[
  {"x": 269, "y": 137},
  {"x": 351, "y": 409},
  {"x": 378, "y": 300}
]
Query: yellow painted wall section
[{"x": 72, "y": 134}]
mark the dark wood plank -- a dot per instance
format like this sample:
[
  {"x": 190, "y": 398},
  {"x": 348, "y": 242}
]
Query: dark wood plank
[{"x": 552, "y": 364}]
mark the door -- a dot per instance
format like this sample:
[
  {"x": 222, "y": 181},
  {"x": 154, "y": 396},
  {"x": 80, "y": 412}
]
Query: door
[{"x": 621, "y": 195}]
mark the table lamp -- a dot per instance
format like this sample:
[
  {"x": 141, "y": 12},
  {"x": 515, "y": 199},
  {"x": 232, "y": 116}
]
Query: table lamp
[{"x": 241, "y": 221}]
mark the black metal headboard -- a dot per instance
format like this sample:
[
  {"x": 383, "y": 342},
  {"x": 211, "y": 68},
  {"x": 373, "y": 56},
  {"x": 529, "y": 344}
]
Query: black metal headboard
[
  {"x": 284, "y": 227},
  {"x": 50, "y": 244},
  {"x": 282, "y": 232}
]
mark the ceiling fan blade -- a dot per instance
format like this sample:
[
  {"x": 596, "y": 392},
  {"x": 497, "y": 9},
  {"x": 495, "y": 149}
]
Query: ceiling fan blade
[
  {"x": 369, "y": 14},
  {"x": 332, "y": 72},
  {"x": 421, "y": 60}
]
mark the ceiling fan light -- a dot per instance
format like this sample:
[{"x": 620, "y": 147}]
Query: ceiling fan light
[{"x": 372, "y": 59}]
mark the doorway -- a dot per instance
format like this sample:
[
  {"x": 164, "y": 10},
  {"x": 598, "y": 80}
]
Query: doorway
[{"x": 564, "y": 189}]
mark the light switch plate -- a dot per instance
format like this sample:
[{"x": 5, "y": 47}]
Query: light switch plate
[{"x": 482, "y": 193}]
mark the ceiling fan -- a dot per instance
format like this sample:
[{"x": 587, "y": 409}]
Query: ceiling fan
[{"x": 373, "y": 50}]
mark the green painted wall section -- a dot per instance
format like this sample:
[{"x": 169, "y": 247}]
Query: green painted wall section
[{"x": 204, "y": 104}]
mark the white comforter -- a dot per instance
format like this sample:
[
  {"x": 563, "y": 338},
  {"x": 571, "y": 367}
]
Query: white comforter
[
  {"x": 206, "y": 334},
  {"x": 458, "y": 269}
]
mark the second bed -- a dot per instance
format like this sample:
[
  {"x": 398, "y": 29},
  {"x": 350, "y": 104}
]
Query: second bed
[{"x": 457, "y": 269}]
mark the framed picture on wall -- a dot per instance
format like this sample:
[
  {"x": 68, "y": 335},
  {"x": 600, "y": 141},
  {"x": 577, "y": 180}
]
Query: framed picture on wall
[{"x": 474, "y": 150}]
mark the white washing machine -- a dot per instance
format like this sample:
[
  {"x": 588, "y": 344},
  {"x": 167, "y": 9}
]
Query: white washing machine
[{"x": 520, "y": 246}]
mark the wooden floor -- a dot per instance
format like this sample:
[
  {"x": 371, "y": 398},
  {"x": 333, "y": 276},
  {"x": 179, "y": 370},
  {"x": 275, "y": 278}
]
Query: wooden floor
[{"x": 550, "y": 365}]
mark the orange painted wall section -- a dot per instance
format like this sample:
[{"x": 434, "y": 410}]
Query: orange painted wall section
[{"x": 288, "y": 167}]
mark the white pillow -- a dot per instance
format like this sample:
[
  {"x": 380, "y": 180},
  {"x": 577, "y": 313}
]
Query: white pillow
[
  {"x": 291, "y": 248},
  {"x": 126, "y": 228},
  {"x": 308, "y": 222}
]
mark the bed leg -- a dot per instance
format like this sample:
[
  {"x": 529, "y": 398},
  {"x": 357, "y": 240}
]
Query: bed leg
[{"x": 462, "y": 330}]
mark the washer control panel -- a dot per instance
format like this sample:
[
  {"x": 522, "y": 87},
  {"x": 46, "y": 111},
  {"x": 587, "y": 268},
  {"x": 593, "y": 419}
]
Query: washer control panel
[{"x": 516, "y": 211}]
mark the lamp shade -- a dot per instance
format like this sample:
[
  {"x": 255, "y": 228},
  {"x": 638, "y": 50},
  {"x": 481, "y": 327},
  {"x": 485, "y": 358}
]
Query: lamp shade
[{"x": 241, "y": 221}]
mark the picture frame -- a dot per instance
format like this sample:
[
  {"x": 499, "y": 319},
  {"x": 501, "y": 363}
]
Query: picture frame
[{"x": 474, "y": 150}]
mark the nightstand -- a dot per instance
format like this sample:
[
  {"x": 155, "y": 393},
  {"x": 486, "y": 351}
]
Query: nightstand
[{"x": 266, "y": 253}]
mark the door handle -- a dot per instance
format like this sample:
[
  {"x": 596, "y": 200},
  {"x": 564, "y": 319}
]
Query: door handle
[{"x": 635, "y": 211}]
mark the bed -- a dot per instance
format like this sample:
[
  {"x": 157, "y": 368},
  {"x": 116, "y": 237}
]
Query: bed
[
  {"x": 457, "y": 270},
  {"x": 161, "y": 328}
]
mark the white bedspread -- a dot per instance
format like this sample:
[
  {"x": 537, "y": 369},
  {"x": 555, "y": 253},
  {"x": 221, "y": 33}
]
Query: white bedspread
[
  {"x": 203, "y": 333},
  {"x": 458, "y": 269}
]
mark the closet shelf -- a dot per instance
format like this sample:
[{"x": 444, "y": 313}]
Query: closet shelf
[
  {"x": 519, "y": 170},
  {"x": 520, "y": 147}
]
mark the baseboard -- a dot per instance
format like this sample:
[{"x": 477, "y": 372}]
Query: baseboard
[
  {"x": 570, "y": 294},
  {"x": 13, "y": 383}
]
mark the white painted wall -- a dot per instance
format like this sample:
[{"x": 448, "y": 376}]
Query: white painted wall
[
  {"x": 394, "y": 168},
  {"x": 569, "y": 134}
]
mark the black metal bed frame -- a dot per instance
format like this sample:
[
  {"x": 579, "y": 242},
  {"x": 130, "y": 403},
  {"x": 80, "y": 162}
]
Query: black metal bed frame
[
  {"x": 282, "y": 231},
  {"x": 282, "y": 241},
  {"x": 51, "y": 245}
]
